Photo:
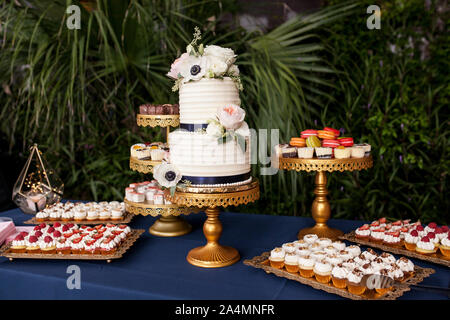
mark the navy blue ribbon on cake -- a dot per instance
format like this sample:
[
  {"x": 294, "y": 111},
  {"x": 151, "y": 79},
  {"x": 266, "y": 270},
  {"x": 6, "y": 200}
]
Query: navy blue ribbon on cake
[
  {"x": 193, "y": 126},
  {"x": 217, "y": 180}
]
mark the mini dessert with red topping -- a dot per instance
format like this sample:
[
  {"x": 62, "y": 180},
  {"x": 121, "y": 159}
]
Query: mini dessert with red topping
[
  {"x": 433, "y": 238},
  {"x": 377, "y": 235},
  {"x": 48, "y": 245},
  {"x": 18, "y": 245},
  {"x": 411, "y": 239},
  {"x": 431, "y": 227},
  {"x": 32, "y": 245},
  {"x": 445, "y": 246},
  {"x": 392, "y": 239},
  {"x": 363, "y": 232},
  {"x": 425, "y": 246}
]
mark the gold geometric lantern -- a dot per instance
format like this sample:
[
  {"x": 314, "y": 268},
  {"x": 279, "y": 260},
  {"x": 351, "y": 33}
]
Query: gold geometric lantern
[{"x": 38, "y": 185}]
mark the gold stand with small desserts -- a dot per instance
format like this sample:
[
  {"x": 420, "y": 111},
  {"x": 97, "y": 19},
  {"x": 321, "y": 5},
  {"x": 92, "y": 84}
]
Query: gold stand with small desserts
[
  {"x": 170, "y": 224},
  {"x": 321, "y": 211},
  {"x": 213, "y": 254}
]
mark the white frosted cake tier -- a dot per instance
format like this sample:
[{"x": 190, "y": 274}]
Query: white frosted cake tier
[
  {"x": 199, "y": 99},
  {"x": 197, "y": 154}
]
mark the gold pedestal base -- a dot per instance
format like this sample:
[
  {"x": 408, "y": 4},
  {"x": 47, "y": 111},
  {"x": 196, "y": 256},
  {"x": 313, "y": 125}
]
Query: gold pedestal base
[
  {"x": 213, "y": 255},
  {"x": 170, "y": 226},
  {"x": 321, "y": 231}
]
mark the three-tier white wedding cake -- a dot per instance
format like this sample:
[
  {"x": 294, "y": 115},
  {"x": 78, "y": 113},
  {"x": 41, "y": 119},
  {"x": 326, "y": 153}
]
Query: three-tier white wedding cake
[{"x": 212, "y": 145}]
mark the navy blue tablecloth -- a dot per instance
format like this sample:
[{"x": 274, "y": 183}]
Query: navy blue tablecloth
[{"x": 156, "y": 268}]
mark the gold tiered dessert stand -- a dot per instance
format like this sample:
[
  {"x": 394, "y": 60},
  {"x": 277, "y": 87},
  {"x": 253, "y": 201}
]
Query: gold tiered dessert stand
[
  {"x": 169, "y": 223},
  {"x": 321, "y": 207},
  {"x": 213, "y": 254}
]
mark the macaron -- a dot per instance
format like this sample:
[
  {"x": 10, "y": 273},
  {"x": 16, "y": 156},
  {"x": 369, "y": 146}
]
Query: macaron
[
  {"x": 323, "y": 134},
  {"x": 331, "y": 143},
  {"x": 307, "y": 133},
  {"x": 336, "y": 132},
  {"x": 313, "y": 142},
  {"x": 298, "y": 142},
  {"x": 346, "y": 142}
]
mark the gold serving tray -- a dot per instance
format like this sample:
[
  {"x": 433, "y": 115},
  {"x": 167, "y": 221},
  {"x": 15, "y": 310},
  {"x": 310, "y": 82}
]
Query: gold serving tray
[
  {"x": 127, "y": 217},
  {"x": 143, "y": 166},
  {"x": 169, "y": 120},
  {"x": 398, "y": 290},
  {"x": 437, "y": 257},
  {"x": 145, "y": 208},
  {"x": 124, "y": 246},
  {"x": 330, "y": 165}
]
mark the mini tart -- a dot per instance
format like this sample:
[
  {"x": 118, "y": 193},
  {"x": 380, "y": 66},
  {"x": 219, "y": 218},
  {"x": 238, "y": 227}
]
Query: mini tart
[
  {"x": 377, "y": 235},
  {"x": 18, "y": 249},
  {"x": 425, "y": 247},
  {"x": 49, "y": 250},
  {"x": 363, "y": 232},
  {"x": 33, "y": 249},
  {"x": 445, "y": 251}
]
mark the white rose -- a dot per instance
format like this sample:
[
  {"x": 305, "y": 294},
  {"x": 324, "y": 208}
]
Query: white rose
[
  {"x": 223, "y": 53},
  {"x": 214, "y": 129},
  {"x": 216, "y": 66},
  {"x": 233, "y": 70},
  {"x": 231, "y": 116}
]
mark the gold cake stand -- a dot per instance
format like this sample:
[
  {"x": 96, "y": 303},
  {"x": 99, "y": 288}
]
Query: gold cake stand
[
  {"x": 169, "y": 223},
  {"x": 321, "y": 207},
  {"x": 213, "y": 254}
]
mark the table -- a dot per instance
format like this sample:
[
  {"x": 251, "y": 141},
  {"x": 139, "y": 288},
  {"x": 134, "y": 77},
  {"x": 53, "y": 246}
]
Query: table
[{"x": 156, "y": 268}]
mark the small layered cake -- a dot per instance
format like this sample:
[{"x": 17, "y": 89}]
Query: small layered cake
[
  {"x": 289, "y": 152},
  {"x": 377, "y": 235},
  {"x": 305, "y": 153},
  {"x": 277, "y": 258},
  {"x": 357, "y": 152},
  {"x": 324, "y": 153},
  {"x": 339, "y": 276},
  {"x": 366, "y": 147},
  {"x": 322, "y": 271},
  {"x": 342, "y": 152},
  {"x": 392, "y": 239},
  {"x": 354, "y": 284}
]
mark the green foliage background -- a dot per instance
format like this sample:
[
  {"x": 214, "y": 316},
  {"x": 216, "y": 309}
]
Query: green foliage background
[{"x": 76, "y": 94}]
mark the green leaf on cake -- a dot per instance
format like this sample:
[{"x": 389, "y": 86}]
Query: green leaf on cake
[{"x": 241, "y": 141}]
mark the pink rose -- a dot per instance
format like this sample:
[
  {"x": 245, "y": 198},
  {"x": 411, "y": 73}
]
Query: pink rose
[
  {"x": 231, "y": 116},
  {"x": 176, "y": 66}
]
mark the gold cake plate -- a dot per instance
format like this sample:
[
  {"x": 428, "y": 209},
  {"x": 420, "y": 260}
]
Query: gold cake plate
[
  {"x": 437, "y": 257},
  {"x": 150, "y": 120},
  {"x": 398, "y": 289},
  {"x": 120, "y": 251},
  {"x": 169, "y": 224},
  {"x": 127, "y": 217},
  {"x": 321, "y": 207},
  {"x": 213, "y": 254}
]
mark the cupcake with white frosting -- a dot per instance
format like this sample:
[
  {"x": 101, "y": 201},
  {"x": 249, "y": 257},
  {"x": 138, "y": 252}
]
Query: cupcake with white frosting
[
  {"x": 302, "y": 252},
  {"x": 354, "y": 250},
  {"x": 324, "y": 242},
  {"x": 276, "y": 258},
  {"x": 345, "y": 255},
  {"x": 445, "y": 246},
  {"x": 291, "y": 262},
  {"x": 310, "y": 238},
  {"x": 354, "y": 284},
  {"x": 339, "y": 245},
  {"x": 306, "y": 266},
  {"x": 411, "y": 239},
  {"x": 339, "y": 276},
  {"x": 322, "y": 271},
  {"x": 301, "y": 244},
  {"x": 289, "y": 247},
  {"x": 406, "y": 266},
  {"x": 425, "y": 246},
  {"x": 318, "y": 255}
]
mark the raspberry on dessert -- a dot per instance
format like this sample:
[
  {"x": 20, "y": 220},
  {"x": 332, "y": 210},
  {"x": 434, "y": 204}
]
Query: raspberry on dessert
[
  {"x": 33, "y": 239},
  {"x": 50, "y": 230},
  {"x": 431, "y": 235},
  {"x": 24, "y": 233},
  {"x": 444, "y": 229},
  {"x": 42, "y": 225},
  {"x": 414, "y": 233},
  {"x": 425, "y": 239},
  {"x": 57, "y": 225},
  {"x": 37, "y": 228},
  {"x": 57, "y": 234},
  {"x": 19, "y": 237},
  {"x": 432, "y": 225},
  {"x": 65, "y": 228},
  {"x": 70, "y": 225},
  {"x": 38, "y": 233},
  {"x": 419, "y": 228},
  {"x": 48, "y": 239}
]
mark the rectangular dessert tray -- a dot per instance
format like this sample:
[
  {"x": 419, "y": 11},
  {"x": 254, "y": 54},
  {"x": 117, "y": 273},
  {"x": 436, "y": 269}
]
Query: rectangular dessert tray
[
  {"x": 123, "y": 247},
  {"x": 127, "y": 217},
  {"x": 398, "y": 289},
  {"x": 437, "y": 257}
]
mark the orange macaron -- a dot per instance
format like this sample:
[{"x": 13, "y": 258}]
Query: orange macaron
[
  {"x": 298, "y": 142},
  {"x": 325, "y": 134}
]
